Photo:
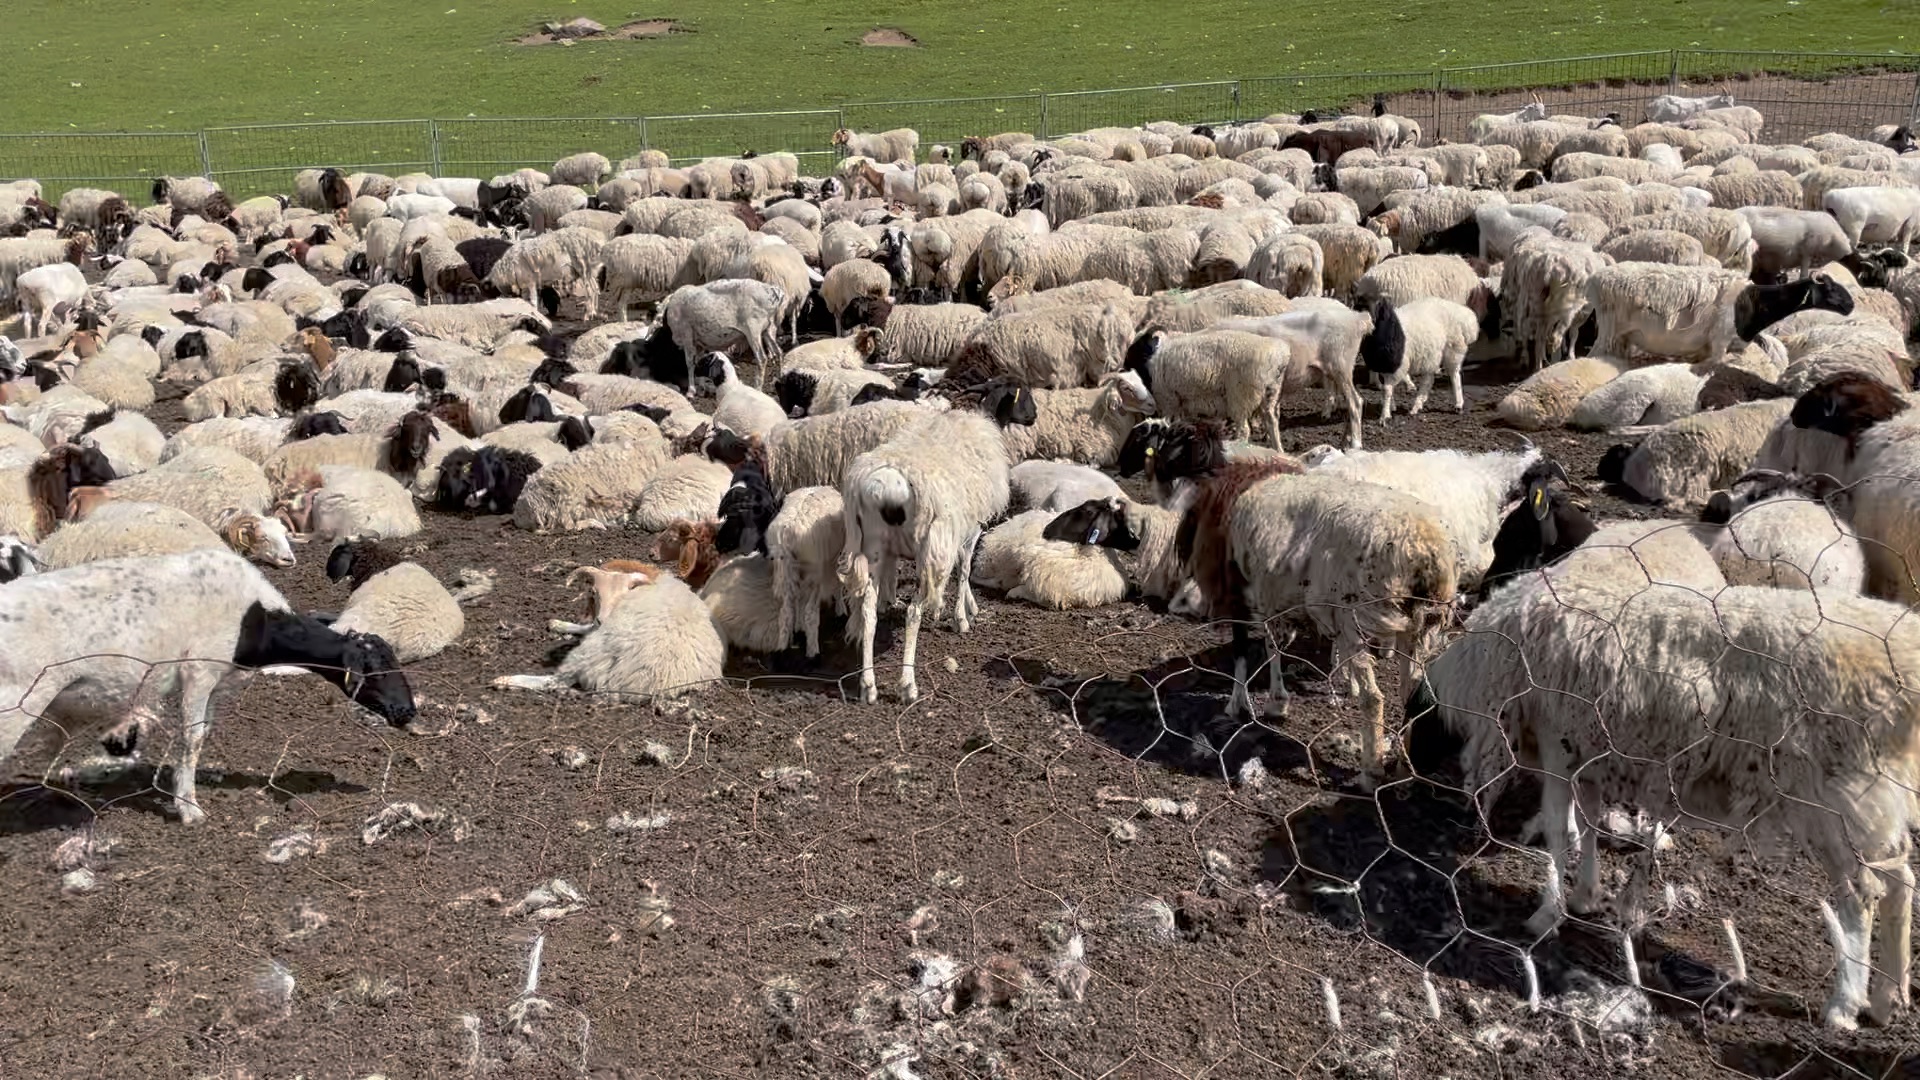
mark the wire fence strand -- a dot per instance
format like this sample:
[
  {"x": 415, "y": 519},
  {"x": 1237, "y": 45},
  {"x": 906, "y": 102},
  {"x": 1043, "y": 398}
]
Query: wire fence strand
[{"x": 1800, "y": 94}]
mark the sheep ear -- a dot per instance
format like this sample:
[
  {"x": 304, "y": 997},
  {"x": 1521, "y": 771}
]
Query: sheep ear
[{"x": 1537, "y": 500}]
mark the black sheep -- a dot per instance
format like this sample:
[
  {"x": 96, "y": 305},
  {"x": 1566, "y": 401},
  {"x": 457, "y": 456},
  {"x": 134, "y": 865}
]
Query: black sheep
[
  {"x": 657, "y": 357},
  {"x": 528, "y": 405},
  {"x": 1760, "y": 306},
  {"x": 746, "y": 510},
  {"x": 1540, "y": 531},
  {"x": 488, "y": 480},
  {"x": 360, "y": 558},
  {"x": 295, "y": 386},
  {"x": 307, "y": 425}
]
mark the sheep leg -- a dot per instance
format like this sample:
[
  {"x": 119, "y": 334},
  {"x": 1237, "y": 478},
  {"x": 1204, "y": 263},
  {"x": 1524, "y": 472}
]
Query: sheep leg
[
  {"x": 965, "y": 606},
  {"x": 1587, "y": 893},
  {"x": 1278, "y": 698},
  {"x": 810, "y": 622},
  {"x": 1352, "y": 395},
  {"x": 1271, "y": 406},
  {"x": 1556, "y": 818},
  {"x": 1422, "y": 387},
  {"x": 196, "y": 688},
  {"x": 1894, "y": 969},
  {"x": 1849, "y": 917},
  {"x": 1386, "y": 403},
  {"x": 1239, "y": 700},
  {"x": 1373, "y": 714},
  {"x": 889, "y": 580},
  {"x": 869, "y": 616},
  {"x": 1459, "y": 398},
  {"x": 933, "y": 580}
]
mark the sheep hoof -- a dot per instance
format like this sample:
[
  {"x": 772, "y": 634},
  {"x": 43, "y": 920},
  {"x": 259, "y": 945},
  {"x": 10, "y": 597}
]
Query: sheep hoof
[
  {"x": 189, "y": 813},
  {"x": 1843, "y": 1016},
  {"x": 909, "y": 691}
]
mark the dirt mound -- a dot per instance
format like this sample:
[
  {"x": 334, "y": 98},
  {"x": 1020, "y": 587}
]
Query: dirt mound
[
  {"x": 889, "y": 37},
  {"x": 587, "y": 30}
]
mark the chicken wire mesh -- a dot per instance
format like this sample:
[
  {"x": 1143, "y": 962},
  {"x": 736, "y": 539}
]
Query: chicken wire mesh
[{"x": 1066, "y": 856}]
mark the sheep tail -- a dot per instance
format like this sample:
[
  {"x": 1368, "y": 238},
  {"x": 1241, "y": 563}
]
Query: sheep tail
[{"x": 888, "y": 492}]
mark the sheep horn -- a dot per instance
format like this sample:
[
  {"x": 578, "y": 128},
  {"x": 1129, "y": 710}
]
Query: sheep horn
[{"x": 1758, "y": 474}]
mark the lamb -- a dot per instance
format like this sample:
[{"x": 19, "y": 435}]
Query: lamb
[
  {"x": 925, "y": 493},
  {"x": 1221, "y": 374},
  {"x": 1086, "y": 426},
  {"x": 658, "y": 639},
  {"x": 1648, "y": 396},
  {"x": 564, "y": 259},
  {"x": 1682, "y": 463},
  {"x": 1589, "y": 638},
  {"x": 1466, "y": 493},
  {"x": 581, "y": 170},
  {"x": 1548, "y": 397},
  {"x": 1059, "y": 560},
  {"x": 405, "y": 607},
  {"x": 738, "y": 408},
  {"x": 1365, "y": 566},
  {"x": 195, "y": 614},
  {"x": 47, "y": 294},
  {"x": 117, "y": 529},
  {"x": 1777, "y": 530},
  {"x": 1438, "y": 334},
  {"x": 641, "y": 269}
]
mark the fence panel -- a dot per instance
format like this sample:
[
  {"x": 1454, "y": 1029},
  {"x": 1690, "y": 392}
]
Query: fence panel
[
  {"x": 1581, "y": 86},
  {"x": 1180, "y": 103},
  {"x": 1407, "y": 93},
  {"x": 1803, "y": 94},
  {"x": 484, "y": 148},
  {"x": 262, "y": 159},
  {"x": 950, "y": 120},
  {"x": 805, "y": 133},
  {"x": 125, "y": 162}
]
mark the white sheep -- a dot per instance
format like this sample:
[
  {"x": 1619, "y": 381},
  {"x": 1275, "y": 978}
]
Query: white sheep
[
  {"x": 1229, "y": 375},
  {"x": 1775, "y": 530},
  {"x": 1654, "y": 395},
  {"x": 1323, "y": 343},
  {"x": 1681, "y": 311},
  {"x": 724, "y": 314},
  {"x": 1087, "y": 426},
  {"x": 1673, "y": 108},
  {"x": 687, "y": 488},
  {"x": 1548, "y": 397},
  {"x": 406, "y": 607},
  {"x": 355, "y": 501},
  {"x": 1684, "y": 462},
  {"x": 804, "y": 542},
  {"x": 204, "y": 481},
  {"x": 1876, "y": 215},
  {"x": 188, "y": 618},
  {"x": 1438, "y": 334},
  {"x": 924, "y": 494},
  {"x": 1696, "y": 681},
  {"x": 658, "y": 639},
  {"x": 595, "y": 487},
  {"x": 641, "y": 269},
  {"x": 117, "y": 529},
  {"x": 1017, "y": 558},
  {"x": 738, "y": 408},
  {"x": 252, "y": 437},
  {"x": 49, "y": 293},
  {"x": 131, "y": 442},
  {"x": 1059, "y": 485},
  {"x": 1054, "y": 349}
]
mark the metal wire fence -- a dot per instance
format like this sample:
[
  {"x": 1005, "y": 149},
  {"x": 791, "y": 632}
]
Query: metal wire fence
[{"x": 1799, "y": 93}]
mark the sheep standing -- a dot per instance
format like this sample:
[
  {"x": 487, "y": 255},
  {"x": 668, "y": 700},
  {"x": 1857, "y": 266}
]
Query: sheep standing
[
  {"x": 1438, "y": 334},
  {"x": 926, "y": 494}
]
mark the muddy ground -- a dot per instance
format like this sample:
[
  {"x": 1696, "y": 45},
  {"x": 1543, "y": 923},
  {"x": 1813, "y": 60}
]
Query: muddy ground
[{"x": 774, "y": 881}]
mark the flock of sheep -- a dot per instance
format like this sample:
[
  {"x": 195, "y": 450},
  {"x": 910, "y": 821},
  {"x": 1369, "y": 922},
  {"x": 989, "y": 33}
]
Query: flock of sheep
[{"x": 934, "y": 341}]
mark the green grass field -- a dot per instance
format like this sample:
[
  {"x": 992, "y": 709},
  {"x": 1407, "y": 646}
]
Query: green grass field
[
  {"x": 150, "y": 68},
  {"x": 181, "y": 65}
]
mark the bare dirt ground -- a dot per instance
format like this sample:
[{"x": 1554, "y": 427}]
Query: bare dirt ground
[
  {"x": 889, "y": 37},
  {"x": 766, "y": 879},
  {"x": 631, "y": 31}
]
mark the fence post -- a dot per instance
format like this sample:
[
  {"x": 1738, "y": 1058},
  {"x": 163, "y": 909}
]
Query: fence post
[
  {"x": 1236, "y": 101},
  {"x": 1673, "y": 71},
  {"x": 1439, "y": 85},
  {"x": 433, "y": 140},
  {"x": 1042, "y": 133},
  {"x": 206, "y": 163},
  {"x": 640, "y": 125}
]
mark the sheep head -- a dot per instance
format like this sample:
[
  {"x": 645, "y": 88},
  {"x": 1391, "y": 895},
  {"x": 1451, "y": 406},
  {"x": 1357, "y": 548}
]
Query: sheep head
[
  {"x": 613, "y": 580},
  {"x": 261, "y": 539},
  {"x": 690, "y": 546}
]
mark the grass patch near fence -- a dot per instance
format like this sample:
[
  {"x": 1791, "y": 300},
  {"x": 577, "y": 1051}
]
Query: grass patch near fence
[{"x": 182, "y": 65}]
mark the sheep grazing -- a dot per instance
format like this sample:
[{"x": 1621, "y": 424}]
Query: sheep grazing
[
  {"x": 924, "y": 494},
  {"x": 195, "y": 615}
]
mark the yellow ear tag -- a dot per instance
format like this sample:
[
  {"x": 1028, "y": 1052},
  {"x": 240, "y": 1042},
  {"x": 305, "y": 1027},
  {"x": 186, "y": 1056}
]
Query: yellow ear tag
[
  {"x": 1538, "y": 497},
  {"x": 1149, "y": 451}
]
